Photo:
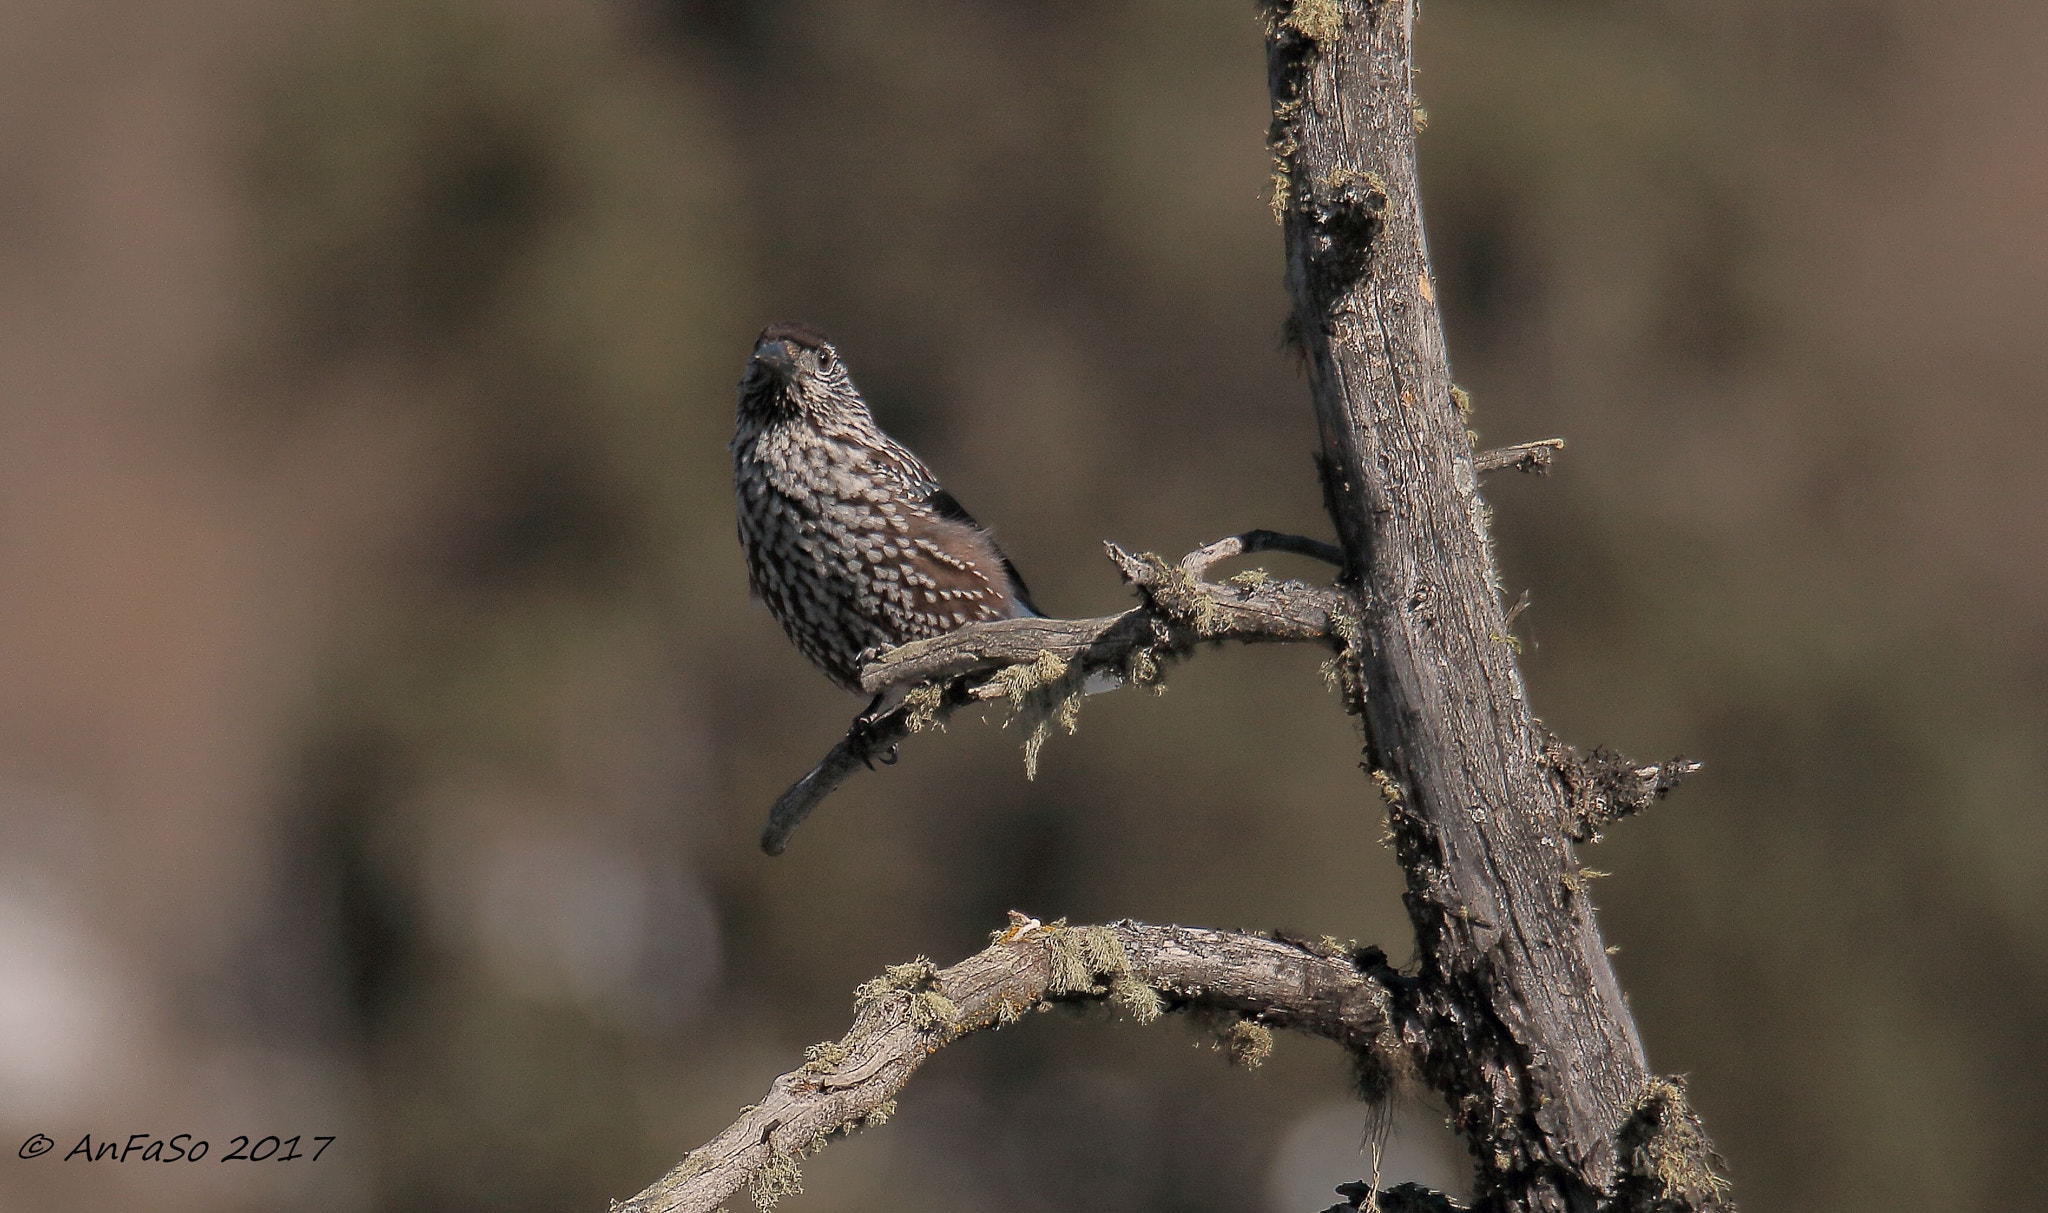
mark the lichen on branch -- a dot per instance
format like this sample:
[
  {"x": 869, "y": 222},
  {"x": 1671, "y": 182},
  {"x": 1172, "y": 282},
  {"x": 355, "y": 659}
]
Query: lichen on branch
[{"x": 911, "y": 1010}]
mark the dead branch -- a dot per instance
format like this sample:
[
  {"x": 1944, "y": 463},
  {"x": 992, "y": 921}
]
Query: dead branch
[
  {"x": 1180, "y": 611},
  {"x": 1602, "y": 787},
  {"x": 913, "y": 1010},
  {"x": 1199, "y": 560},
  {"x": 1533, "y": 457}
]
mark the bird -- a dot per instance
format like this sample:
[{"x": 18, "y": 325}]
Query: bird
[{"x": 849, "y": 538}]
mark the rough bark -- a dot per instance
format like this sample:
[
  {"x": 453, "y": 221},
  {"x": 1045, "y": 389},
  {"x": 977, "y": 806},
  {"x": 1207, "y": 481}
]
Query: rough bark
[
  {"x": 1248, "y": 984},
  {"x": 1530, "y": 1040}
]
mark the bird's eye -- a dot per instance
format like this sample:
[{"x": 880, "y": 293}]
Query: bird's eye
[{"x": 825, "y": 362}]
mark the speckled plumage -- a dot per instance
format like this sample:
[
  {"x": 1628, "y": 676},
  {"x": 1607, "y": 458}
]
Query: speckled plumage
[{"x": 849, "y": 538}]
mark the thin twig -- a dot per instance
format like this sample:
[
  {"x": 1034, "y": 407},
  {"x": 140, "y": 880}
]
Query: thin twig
[
  {"x": 1534, "y": 456},
  {"x": 1198, "y": 561},
  {"x": 913, "y": 1010}
]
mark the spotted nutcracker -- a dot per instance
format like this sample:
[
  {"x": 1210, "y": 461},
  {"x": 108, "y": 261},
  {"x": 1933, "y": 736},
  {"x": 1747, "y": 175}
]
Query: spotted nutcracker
[{"x": 849, "y": 538}]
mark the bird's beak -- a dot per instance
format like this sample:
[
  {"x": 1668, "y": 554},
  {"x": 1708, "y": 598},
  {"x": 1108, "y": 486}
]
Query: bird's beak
[{"x": 777, "y": 357}]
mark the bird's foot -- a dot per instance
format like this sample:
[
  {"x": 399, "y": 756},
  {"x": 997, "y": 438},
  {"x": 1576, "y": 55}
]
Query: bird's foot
[
  {"x": 865, "y": 734},
  {"x": 869, "y": 755}
]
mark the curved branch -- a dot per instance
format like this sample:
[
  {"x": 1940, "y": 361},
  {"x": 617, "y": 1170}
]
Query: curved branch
[
  {"x": 1262, "y": 541},
  {"x": 1180, "y": 611},
  {"x": 913, "y": 1010}
]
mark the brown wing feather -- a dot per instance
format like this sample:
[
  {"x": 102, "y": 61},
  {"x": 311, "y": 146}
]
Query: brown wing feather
[
  {"x": 944, "y": 574},
  {"x": 950, "y": 509}
]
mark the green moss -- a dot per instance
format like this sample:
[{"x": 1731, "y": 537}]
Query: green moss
[
  {"x": 1389, "y": 790},
  {"x": 1346, "y": 671},
  {"x": 824, "y": 1057},
  {"x": 1041, "y": 694},
  {"x": 1664, "y": 1150},
  {"x": 1316, "y": 20},
  {"x": 896, "y": 979},
  {"x": 1020, "y": 680},
  {"x": 1092, "y": 960},
  {"x": 1280, "y": 190},
  {"x": 1369, "y": 187},
  {"x": 1176, "y": 594},
  {"x": 1070, "y": 973},
  {"x": 924, "y": 707},
  {"x": 1284, "y": 140},
  {"x": 1136, "y": 999},
  {"x": 932, "y": 1011},
  {"x": 1142, "y": 669},
  {"x": 1248, "y": 1044},
  {"x": 781, "y": 1177},
  {"x": 916, "y": 984}
]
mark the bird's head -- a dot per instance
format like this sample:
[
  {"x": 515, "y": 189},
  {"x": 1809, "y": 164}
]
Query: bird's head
[{"x": 795, "y": 369}]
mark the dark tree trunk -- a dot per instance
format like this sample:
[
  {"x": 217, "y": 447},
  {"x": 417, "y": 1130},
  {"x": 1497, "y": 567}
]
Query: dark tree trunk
[{"x": 1528, "y": 1036}]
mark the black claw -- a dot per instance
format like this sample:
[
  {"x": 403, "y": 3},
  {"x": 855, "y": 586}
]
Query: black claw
[{"x": 870, "y": 757}]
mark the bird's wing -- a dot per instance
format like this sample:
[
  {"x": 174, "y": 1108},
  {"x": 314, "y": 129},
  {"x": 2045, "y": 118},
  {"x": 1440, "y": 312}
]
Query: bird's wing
[
  {"x": 919, "y": 484},
  {"x": 945, "y": 506}
]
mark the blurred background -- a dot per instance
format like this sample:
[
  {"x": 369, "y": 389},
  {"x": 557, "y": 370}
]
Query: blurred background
[{"x": 385, "y": 727}]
